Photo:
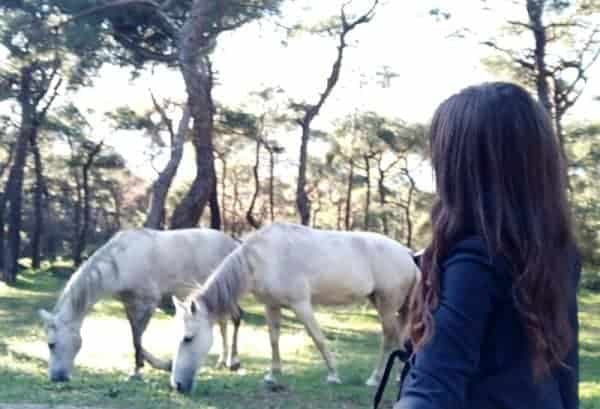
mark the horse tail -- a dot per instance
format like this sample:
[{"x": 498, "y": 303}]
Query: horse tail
[{"x": 404, "y": 311}]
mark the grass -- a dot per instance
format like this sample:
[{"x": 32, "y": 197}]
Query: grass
[{"x": 100, "y": 378}]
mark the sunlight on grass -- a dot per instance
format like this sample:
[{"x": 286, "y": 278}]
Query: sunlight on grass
[{"x": 106, "y": 358}]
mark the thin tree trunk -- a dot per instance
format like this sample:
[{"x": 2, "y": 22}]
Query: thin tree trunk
[
  {"x": 408, "y": 208},
  {"x": 535, "y": 11},
  {"x": 339, "y": 214},
  {"x": 162, "y": 184},
  {"x": 37, "y": 203},
  {"x": 87, "y": 209},
  {"x": 3, "y": 203},
  {"x": 223, "y": 192},
  {"x": 78, "y": 208},
  {"x": 302, "y": 200},
  {"x": 349, "y": 196},
  {"x": 272, "y": 184},
  {"x": 215, "y": 212},
  {"x": 14, "y": 190},
  {"x": 250, "y": 212},
  {"x": 312, "y": 111},
  {"x": 381, "y": 188},
  {"x": 368, "y": 195}
]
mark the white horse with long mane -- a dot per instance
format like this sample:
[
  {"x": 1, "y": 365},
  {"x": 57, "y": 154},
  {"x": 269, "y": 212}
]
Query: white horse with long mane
[
  {"x": 296, "y": 267},
  {"x": 137, "y": 267}
]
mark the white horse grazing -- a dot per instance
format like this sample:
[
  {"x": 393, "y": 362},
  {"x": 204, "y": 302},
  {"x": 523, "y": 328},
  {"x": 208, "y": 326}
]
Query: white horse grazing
[
  {"x": 137, "y": 267},
  {"x": 291, "y": 266}
]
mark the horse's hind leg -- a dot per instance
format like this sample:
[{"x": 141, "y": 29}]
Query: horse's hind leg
[
  {"x": 390, "y": 340},
  {"x": 139, "y": 311},
  {"x": 273, "y": 315},
  {"x": 305, "y": 314}
]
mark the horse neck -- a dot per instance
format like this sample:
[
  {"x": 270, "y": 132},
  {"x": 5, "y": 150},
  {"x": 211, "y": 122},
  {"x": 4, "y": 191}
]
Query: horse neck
[
  {"x": 82, "y": 292},
  {"x": 226, "y": 286}
]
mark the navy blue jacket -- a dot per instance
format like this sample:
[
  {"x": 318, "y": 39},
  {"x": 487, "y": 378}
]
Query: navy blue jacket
[{"x": 478, "y": 356}]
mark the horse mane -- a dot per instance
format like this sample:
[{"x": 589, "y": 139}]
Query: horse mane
[
  {"x": 225, "y": 285},
  {"x": 85, "y": 284}
]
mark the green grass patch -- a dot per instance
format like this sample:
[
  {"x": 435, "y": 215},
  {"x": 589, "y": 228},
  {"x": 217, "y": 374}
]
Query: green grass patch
[{"x": 106, "y": 358}]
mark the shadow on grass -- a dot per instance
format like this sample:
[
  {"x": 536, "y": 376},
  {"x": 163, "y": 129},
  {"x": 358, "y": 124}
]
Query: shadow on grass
[{"x": 303, "y": 388}]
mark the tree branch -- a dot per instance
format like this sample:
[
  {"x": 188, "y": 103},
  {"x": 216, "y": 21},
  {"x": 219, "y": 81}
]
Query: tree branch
[
  {"x": 157, "y": 8},
  {"x": 164, "y": 117}
]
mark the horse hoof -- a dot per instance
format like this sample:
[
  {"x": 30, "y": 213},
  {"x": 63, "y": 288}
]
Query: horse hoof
[
  {"x": 334, "y": 379},
  {"x": 372, "y": 381},
  {"x": 135, "y": 376},
  {"x": 220, "y": 365},
  {"x": 235, "y": 366},
  {"x": 270, "y": 379}
]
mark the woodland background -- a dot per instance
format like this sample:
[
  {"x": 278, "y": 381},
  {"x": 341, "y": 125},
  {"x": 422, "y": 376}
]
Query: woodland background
[{"x": 331, "y": 148}]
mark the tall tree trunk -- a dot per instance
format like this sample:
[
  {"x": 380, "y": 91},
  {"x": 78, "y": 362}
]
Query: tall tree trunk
[
  {"x": 215, "y": 212},
  {"x": 223, "y": 191},
  {"x": 339, "y": 214},
  {"x": 535, "y": 11},
  {"x": 197, "y": 74},
  {"x": 77, "y": 212},
  {"x": 86, "y": 197},
  {"x": 302, "y": 200},
  {"x": 368, "y": 195},
  {"x": 14, "y": 189},
  {"x": 408, "y": 206},
  {"x": 162, "y": 184},
  {"x": 37, "y": 203},
  {"x": 381, "y": 189},
  {"x": 312, "y": 111},
  {"x": 349, "y": 196},
  {"x": 272, "y": 184},
  {"x": 250, "y": 212},
  {"x": 4, "y": 167}
]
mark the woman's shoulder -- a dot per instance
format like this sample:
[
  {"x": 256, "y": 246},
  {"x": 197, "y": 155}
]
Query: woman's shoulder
[{"x": 471, "y": 257}]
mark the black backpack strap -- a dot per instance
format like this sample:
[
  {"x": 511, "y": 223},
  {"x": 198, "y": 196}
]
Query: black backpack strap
[{"x": 399, "y": 354}]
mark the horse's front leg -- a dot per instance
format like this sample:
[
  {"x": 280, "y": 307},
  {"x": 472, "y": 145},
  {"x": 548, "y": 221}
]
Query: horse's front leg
[
  {"x": 234, "y": 360},
  {"x": 273, "y": 315},
  {"x": 139, "y": 311},
  {"x": 305, "y": 314},
  {"x": 222, "y": 361}
]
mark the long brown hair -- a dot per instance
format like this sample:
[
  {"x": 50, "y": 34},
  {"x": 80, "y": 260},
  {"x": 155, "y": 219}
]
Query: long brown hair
[{"x": 500, "y": 175}]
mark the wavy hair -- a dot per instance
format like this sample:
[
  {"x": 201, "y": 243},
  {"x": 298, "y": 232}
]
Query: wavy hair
[{"x": 501, "y": 175}]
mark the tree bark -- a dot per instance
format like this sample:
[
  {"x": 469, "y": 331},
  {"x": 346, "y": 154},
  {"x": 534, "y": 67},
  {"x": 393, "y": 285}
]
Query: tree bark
[
  {"x": 37, "y": 203},
  {"x": 250, "y": 212},
  {"x": 339, "y": 215},
  {"x": 224, "y": 219},
  {"x": 197, "y": 74},
  {"x": 215, "y": 212},
  {"x": 349, "y": 196},
  {"x": 14, "y": 189},
  {"x": 81, "y": 242},
  {"x": 3, "y": 203},
  {"x": 302, "y": 200},
  {"x": 272, "y": 185},
  {"x": 162, "y": 184},
  {"x": 535, "y": 11},
  {"x": 368, "y": 194}
]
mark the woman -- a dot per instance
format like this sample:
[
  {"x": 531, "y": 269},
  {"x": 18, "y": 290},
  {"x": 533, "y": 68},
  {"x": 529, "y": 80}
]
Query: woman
[{"x": 494, "y": 318}]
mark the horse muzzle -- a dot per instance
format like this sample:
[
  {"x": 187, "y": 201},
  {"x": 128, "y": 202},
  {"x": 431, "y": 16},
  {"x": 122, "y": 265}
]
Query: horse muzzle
[
  {"x": 59, "y": 376},
  {"x": 184, "y": 387}
]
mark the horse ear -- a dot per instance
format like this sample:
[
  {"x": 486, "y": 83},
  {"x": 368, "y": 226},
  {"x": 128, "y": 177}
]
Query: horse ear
[
  {"x": 46, "y": 317},
  {"x": 179, "y": 305}
]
